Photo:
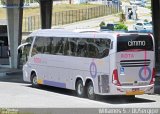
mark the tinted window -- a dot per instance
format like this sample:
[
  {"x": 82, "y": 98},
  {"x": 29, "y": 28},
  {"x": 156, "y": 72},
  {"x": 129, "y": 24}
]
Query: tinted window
[
  {"x": 139, "y": 24},
  {"x": 98, "y": 48},
  {"x": 142, "y": 42},
  {"x": 92, "y": 48},
  {"x": 42, "y": 45},
  {"x": 4, "y": 40},
  {"x": 70, "y": 47},
  {"x": 82, "y": 48},
  {"x": 58, "y": 46},
  {"x": 3, "y": 46},
  {"x": 25, "y": 54},
  {"x": 103, "y": 47},
  {"x": 29, "y": 40},
  {"x": 110, "y": 26},
  {"x": 148, "y": 24}
]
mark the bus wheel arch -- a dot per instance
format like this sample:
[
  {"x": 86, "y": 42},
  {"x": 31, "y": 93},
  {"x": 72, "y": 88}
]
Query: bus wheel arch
[
  {"x": 90, "y": 89},
  {"x": 79, "y": 87}
]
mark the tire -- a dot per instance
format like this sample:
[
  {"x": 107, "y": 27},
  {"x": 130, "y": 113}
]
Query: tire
[
  {"x": 34, "y": 80},
  {"x": 80, "y": 89},
  {"x": 90, "y": 91}
]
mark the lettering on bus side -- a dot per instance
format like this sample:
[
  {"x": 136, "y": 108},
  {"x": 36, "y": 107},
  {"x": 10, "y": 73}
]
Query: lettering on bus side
[
  {"x": 127, "y": 56},
  {"x": 136, "y": 43},
  {"x": 37, "y": 60}
]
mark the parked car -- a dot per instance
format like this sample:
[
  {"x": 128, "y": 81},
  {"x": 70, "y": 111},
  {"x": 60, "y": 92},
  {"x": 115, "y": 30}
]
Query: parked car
[
  {"x": 146, "y": 4},
  {"x": 151, "y": 22},
  {"x": 108, "y": 2},
  {"x": 142, "y": 26},
  {"x": 116, "y": 2},
  {"x": 132, "y": 31},
  {"x": 146, "y": 31},
  {"x": 109, "y": 26},
  {"x": 135, "y": 2}
]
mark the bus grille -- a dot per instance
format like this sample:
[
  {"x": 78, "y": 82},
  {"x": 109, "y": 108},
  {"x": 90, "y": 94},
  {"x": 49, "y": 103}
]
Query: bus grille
[
  {"x": 135, "y": 63},
  {"x": 103, "y": 83}
]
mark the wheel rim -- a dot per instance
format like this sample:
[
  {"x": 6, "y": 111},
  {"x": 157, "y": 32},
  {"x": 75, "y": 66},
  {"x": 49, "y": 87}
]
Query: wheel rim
[
  {"x": 80, "y": 89},
  {"x": 35, "y": 80},
  {"x": 90, "y": 90}
]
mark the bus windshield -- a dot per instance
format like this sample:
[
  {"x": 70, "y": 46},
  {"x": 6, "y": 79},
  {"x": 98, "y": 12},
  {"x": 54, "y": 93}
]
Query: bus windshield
[{"x": 134, "y": 42}]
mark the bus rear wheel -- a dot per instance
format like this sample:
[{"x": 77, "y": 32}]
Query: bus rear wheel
[
  {"x": 34, "y": 80},
  {"x": 80, "y": 88},
  {"x": 90, "y": 91}
]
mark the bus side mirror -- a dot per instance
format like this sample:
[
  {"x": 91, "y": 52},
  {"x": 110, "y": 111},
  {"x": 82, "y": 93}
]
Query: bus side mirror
[{"x": 22, "y": 45}]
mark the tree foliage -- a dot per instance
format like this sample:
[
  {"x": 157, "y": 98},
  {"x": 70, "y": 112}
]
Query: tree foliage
[
  {"x": 121, "y": 26},
  {"x": 102, "y": 24},
  {"x": 3, "y": 2}
]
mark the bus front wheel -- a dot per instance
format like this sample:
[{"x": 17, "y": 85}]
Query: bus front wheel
[
  {"x": 79, "y": 88},
  {"x": 90, "y": 91},
  {"x": 34, "y": 80}
]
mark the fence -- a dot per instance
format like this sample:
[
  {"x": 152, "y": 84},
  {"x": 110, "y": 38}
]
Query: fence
[{"x": 60, "y": 18}]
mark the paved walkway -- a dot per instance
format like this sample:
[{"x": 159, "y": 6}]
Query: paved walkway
[{"x": 91, "y": 23}]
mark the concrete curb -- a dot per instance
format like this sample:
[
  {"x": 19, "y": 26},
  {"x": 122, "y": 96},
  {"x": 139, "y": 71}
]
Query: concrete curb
[
  {"x": 14, "y": 73},
  {"x": 8, "y": 72}
]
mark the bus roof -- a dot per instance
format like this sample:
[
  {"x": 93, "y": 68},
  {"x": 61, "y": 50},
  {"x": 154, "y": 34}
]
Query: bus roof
[{"x": 75, "y": 34}]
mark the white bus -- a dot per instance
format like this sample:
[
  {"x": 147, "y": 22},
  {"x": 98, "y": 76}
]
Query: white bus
[{"x": 90, "y": 63}]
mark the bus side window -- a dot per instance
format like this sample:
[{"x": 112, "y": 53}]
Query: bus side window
[
  {"x": 53, "y": 46},
  {"x": 59, "y": 46},
  {"x": 73, "y": 47},
  {"x": 104, "y": 47},
  {"x": 111, "y": 45},
  {"x": 25, "y": 53},
  {"x": 47, "y": 45},
  {"x": 70, "y": 47},
  {"x": 82, "y": 49},
  {"x": 38, "y": 46},
  {"x": 92, "y": 51},
  {"x": 66, "y": 48},
  {"x": 105, "y": 53}
]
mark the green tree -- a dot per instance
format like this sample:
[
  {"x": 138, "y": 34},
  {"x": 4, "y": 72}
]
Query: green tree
[
  {"x": 102, "y": 24},
  {"x": 121, "y": 26},
  {"x": 3, "y": 2},
  {"x": 145, "y": 20}
]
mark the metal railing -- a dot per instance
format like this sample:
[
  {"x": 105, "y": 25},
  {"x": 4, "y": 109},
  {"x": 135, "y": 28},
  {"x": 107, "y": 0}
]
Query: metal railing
[{"x": 65, "y": 17}]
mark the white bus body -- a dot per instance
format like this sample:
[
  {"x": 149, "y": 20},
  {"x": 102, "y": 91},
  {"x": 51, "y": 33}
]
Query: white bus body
[{"x": 114, "y": 63}]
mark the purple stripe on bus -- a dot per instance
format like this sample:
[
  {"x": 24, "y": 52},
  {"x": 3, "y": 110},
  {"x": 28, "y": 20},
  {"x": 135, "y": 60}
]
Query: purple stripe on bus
[{"x": 56, "y": 84}]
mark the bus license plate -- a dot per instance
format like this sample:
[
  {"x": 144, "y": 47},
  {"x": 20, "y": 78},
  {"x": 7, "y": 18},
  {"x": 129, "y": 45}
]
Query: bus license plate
[{"x": 137, "y": 92}]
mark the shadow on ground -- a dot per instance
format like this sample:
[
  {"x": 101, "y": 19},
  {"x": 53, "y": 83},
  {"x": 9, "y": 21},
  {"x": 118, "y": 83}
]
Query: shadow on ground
[
  {"x": 17, "y": 78},
  {"x": 105, "y": 99}
]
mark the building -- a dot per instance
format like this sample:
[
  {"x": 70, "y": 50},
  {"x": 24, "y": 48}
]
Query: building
[{"x": 4, "y": 55}]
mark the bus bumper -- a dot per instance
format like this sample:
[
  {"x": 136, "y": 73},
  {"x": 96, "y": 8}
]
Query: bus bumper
[
  {"x": 136, "y": 90},
  {"x": 132, "y": 90}
]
